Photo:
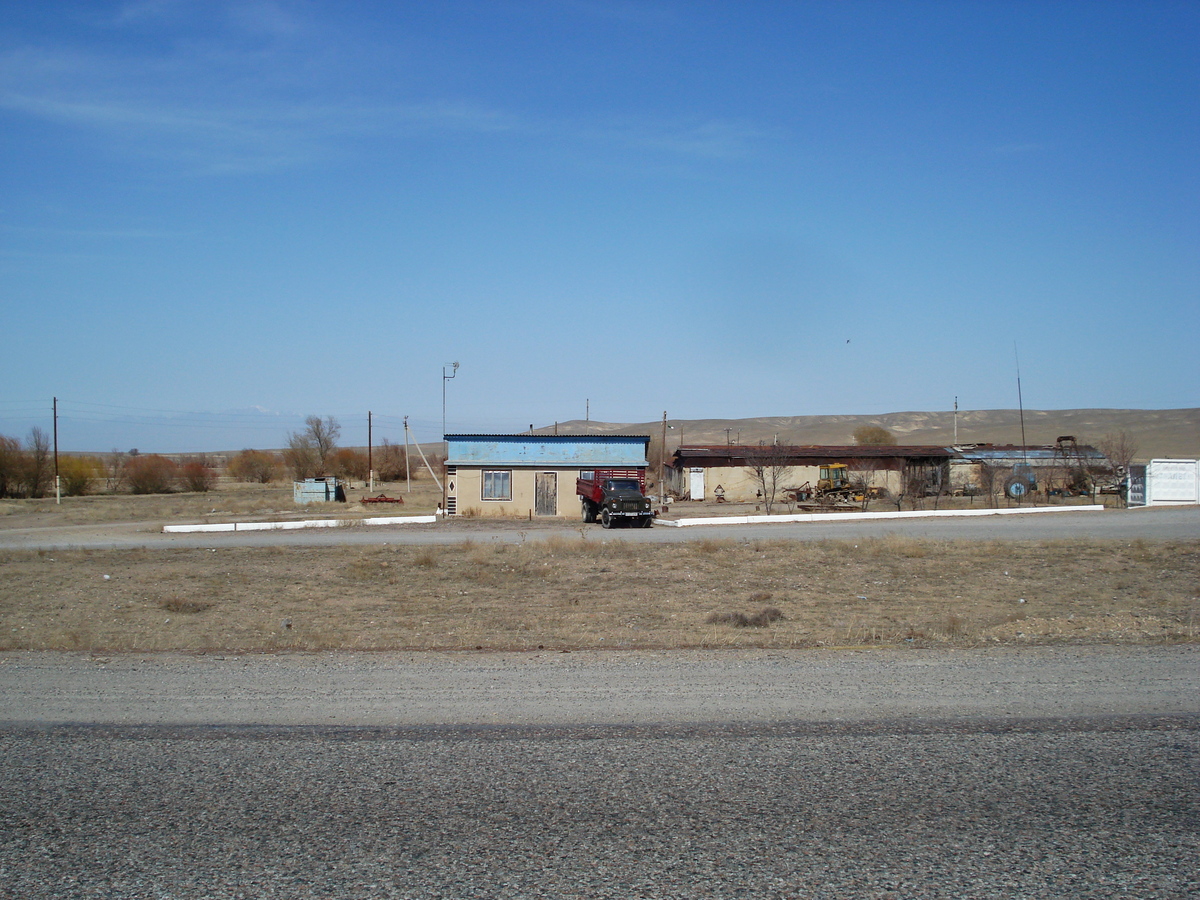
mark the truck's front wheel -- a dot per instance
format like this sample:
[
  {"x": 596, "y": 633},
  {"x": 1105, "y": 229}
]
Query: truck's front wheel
[{"x": 606, "y": 519}]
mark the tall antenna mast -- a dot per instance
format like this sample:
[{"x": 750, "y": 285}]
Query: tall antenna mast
[{"x": 1020, "y": 404}]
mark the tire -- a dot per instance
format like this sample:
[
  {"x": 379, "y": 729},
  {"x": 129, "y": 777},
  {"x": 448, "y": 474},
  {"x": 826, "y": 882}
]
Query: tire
[
  {"x": 1016, "y": 488},
  {"x": 589, "y": 515},
  {"x": 647, "y": 522},
  {"x": 606, "y": 519}
]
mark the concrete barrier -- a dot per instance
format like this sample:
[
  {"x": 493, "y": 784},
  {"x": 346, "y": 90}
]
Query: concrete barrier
[
  {"x": 860, "y": 516},
  {"x": 303, "y": 523}
]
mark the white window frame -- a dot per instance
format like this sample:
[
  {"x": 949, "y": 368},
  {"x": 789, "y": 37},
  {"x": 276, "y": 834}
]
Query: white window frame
[{"x": 487, "y": 487}]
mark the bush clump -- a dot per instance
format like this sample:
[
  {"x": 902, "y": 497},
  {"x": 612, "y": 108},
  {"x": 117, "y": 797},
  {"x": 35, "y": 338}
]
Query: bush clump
[
  {"x": 197, "y": 476},
  {"x": 760, "y": 619},
  {"x": 255, "y": 466},
  {"x": 151, "y": 474}
]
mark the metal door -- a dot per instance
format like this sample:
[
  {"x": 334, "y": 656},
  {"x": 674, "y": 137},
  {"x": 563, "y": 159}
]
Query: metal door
[
  {"x": 546, "y": 494},
  {"x": 696, "y": 484}
]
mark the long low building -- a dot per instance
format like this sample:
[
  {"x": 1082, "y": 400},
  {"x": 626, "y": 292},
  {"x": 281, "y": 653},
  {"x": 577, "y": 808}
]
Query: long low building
[{"x": 696, "y": 473}]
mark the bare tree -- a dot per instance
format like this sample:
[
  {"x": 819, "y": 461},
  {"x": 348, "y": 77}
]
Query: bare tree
[
  {"x": 862, "y": 480},
  {"x": 991, "y": 481},
  {"x": 769, "y": 465},
  {"x": 308, "y": 451},
  {"x": 114, "y": 470},
  {"x": 392, "y": 461},
  {"x": 1119, "y": 448},
  {"x": 917, "y": 485},
  {"x": 324, "y": 434},
  {"x": 37, "y": 463}
]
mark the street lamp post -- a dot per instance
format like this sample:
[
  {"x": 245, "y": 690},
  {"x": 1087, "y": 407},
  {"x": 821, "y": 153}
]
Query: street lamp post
[{"x": 453, "y": 371}]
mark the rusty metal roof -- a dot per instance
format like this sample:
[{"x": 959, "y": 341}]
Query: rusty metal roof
[{"x": 714, "y": 454}]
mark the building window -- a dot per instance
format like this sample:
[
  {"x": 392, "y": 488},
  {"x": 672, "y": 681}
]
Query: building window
[{"x": 497, "y": 484}]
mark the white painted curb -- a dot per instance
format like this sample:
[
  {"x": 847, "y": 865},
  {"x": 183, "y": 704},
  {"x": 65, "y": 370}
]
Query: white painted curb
[
  {"x": 859, "y": 516},
  {"x": 303, "y": 523}
]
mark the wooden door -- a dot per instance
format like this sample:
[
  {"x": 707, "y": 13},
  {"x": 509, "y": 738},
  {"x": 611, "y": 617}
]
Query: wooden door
[{"x": 546, "y": 494}]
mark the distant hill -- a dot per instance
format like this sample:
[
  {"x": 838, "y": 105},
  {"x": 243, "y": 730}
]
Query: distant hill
[{"x": 1158, "y": 433}]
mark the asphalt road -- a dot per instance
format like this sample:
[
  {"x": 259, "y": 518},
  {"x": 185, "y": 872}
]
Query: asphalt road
[
  {"x": 1004, "y": 773},
  {"x": 1070, "y": 772},
  {"x": 1159, "y": 523}
]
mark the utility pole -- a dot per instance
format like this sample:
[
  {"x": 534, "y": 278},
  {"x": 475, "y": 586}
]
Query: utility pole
[
  {"x": 370, "y": 464},
  {"x": 662, "y": 466},
  {"x": 955, "y": 421},
  {"x": 57, "y": 483},
  {"x": 407, "y": 471}
]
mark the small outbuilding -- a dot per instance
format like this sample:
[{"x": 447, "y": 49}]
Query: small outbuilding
[
  {"x": 322, "y": 489},
  {"x": 527, "y": 475}
]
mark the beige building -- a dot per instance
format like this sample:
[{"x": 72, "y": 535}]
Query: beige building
[
  {"x": 528, "y": 476},
  {"x": 696, "y": 473}
]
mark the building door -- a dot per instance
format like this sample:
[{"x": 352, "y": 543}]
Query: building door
[
  {"x": 696, "y": 483},
  {"x": 546, "y": 494}
]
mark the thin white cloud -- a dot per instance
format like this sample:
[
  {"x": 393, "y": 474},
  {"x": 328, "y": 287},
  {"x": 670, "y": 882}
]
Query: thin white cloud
[
  {"x": 248, "y": 17},
  {"x": 225, "y": 106}
]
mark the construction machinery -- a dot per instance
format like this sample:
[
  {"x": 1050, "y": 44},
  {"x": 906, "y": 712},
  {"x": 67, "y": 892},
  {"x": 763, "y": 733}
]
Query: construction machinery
[{"x": 833, "y": 486}]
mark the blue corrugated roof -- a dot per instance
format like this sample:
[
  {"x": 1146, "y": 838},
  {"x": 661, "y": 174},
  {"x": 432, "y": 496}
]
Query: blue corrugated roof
[{"x": 575, "y": 450}]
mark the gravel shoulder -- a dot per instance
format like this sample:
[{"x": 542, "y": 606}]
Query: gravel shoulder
[
  {"x": 597, "y": 688},
  {"x": 1153, "y": 524}
]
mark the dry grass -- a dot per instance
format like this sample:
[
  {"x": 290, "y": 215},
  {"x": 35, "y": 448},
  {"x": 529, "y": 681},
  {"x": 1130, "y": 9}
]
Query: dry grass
[
  {"x": 231, "y": 501},
  {"x": 572, "y": 591}
]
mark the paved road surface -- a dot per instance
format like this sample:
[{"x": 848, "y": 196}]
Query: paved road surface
[
  {"x": 1179, "y": 523},
  {"x": 597, "y": 688},
  {"x": 1002, "y": 773}
]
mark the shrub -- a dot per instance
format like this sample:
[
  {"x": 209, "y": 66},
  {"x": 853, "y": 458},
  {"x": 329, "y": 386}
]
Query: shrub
[
  {"x": 26, "y": 471},
  {"x": 77, "y": 474},
  {"x": 347, "y": 463},
  {"x": 197, "y": 476},
  {"x": 760, "y": 619},
  {"x": 391, "y": 462},
  {"x": 867, "y": 435},
  {"x": 11, "y": 463},
  {"x": 255, "y": 466},
  {"x": 151, "y": 474}
]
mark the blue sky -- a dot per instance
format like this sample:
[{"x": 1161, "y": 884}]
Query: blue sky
[{"x": 231, "y": 215}]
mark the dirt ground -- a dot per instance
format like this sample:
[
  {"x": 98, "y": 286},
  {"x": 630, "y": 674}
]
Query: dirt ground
[
  {"x": 230, "y": 502},
  {"x": 574, "y": 592}
]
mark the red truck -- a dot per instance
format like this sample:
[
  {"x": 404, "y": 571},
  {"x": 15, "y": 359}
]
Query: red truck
[{"x": 614, "y": 496}]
